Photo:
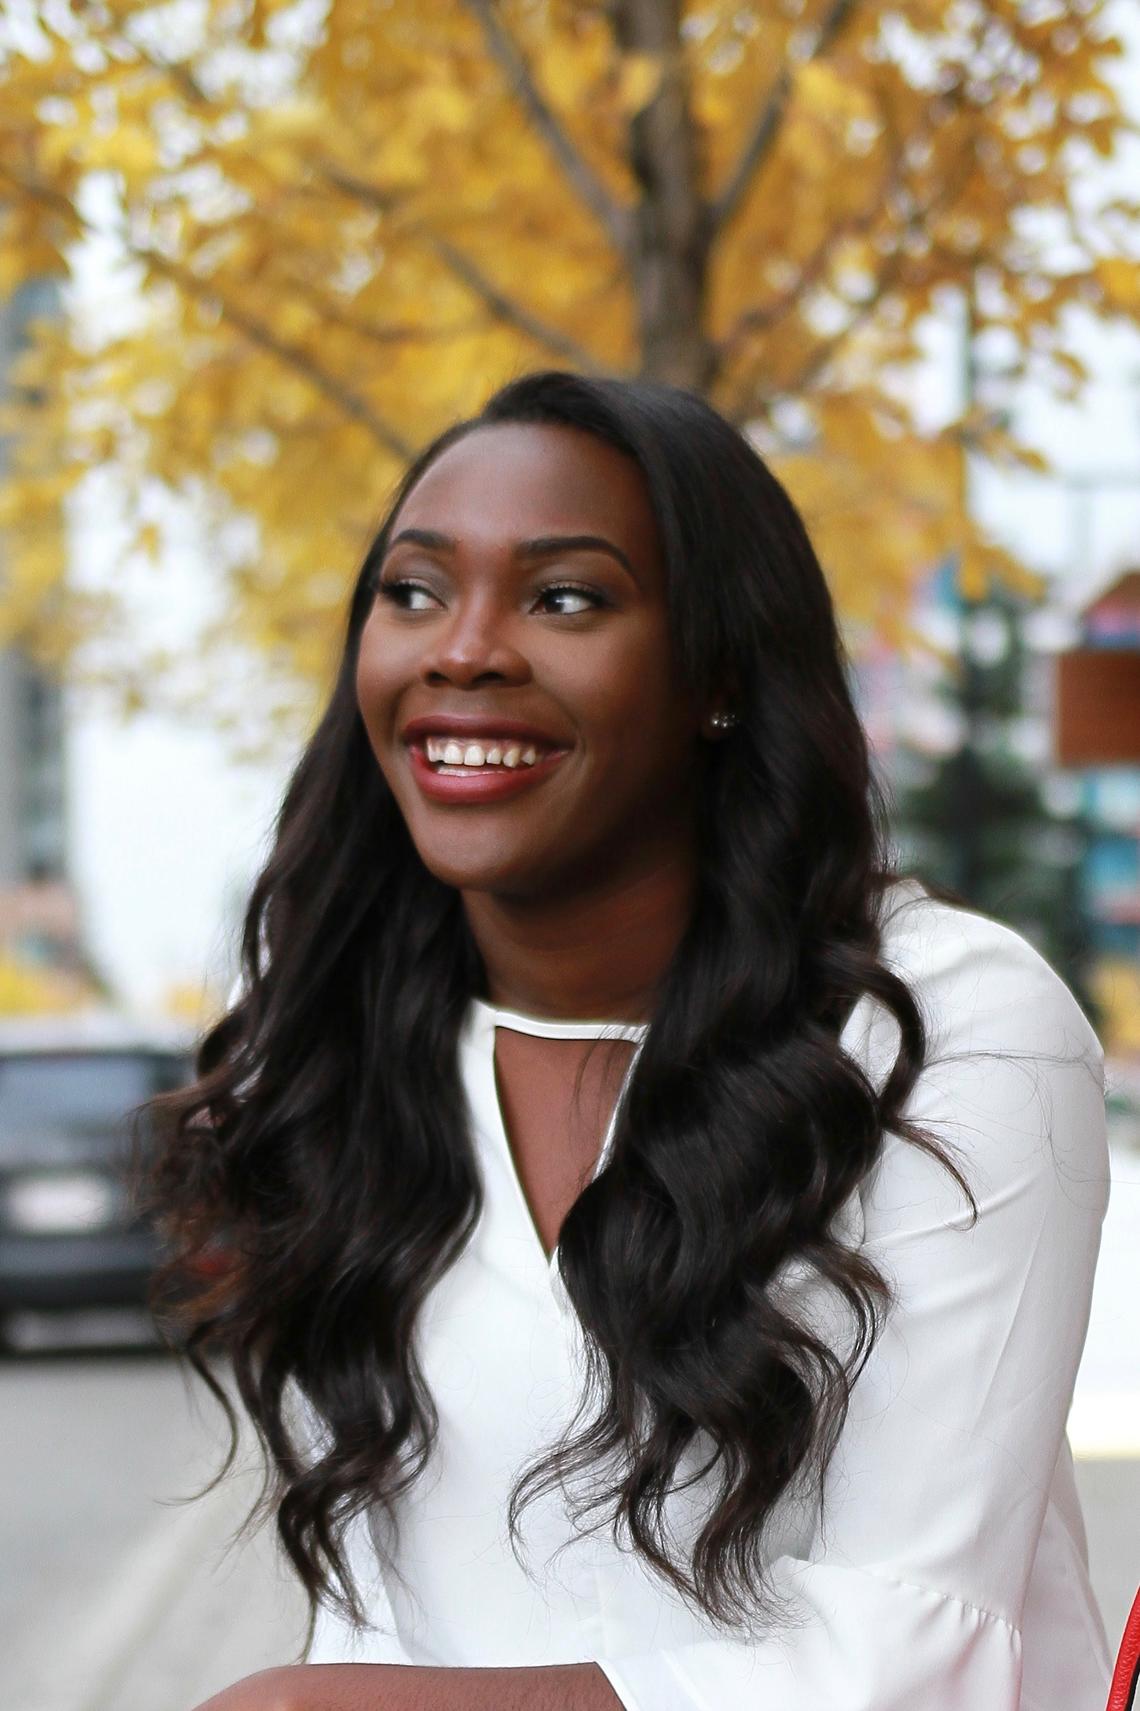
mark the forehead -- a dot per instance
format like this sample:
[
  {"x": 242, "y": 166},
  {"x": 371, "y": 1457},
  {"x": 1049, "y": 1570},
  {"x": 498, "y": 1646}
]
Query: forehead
[{"x": 511, "y": 480}]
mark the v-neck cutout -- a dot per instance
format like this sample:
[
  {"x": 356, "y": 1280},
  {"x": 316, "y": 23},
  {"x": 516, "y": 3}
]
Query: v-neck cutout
[
  {"x": 485, "y": 1019},
  {"x": 556, "y": 1027}
]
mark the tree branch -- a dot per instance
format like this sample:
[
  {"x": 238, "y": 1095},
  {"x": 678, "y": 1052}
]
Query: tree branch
[
  {"x": 760, "y": 319},
  {"x": 384, "y": 333},
  {"x": 504, "y": 50},
  {"x": 502, "y": 307},
  {"x": 827, "y": 348},
  {"x": 468, "y": 273},
  {"x": 292, "y": 356},
  {"x": 351, "y": 402},
  {"x": 767, "y": 125},
  {"x": 892, "y": 270},
  {"x": 505, "y": 309}
]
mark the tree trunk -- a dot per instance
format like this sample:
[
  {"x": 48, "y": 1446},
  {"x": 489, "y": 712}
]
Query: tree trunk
[{"x": 671, "y": 220}]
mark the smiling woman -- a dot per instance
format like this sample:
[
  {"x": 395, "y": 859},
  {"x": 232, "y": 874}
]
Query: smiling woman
[
  {"x": 660, "y": 1235},
  {"x": 522, "y": 598}
]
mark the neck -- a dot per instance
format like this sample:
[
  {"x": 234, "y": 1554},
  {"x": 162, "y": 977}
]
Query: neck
[{"x": 597, "y": 954}]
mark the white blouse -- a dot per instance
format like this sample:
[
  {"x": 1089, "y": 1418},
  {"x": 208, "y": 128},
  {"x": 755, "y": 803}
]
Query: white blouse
[{"x": 947, "y": 1568}]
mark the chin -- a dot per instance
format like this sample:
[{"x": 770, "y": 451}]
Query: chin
[{"x": 508, "y": 872}]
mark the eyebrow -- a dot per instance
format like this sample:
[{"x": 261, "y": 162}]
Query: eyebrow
[{"x": 542, "y": 546}]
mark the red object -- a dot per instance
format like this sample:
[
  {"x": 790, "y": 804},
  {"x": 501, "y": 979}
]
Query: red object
[
  {"x": 1096, "y": 712},
  {"x": 1122, "y": 1693}
]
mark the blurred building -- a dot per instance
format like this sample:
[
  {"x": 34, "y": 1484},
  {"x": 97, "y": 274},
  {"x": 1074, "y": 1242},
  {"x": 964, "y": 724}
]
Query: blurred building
[
  {"x": 1097, "y": 733},
  {"x": 1068, "y": 722},
  {"x": 42, "y": 958},
  {"x": 906, "y": 704}
]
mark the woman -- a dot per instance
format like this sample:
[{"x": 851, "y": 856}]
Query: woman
[{"x": 653, "y": 1240}]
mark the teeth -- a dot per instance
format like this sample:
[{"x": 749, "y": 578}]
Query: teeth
[{"x": 448, "y": 751}]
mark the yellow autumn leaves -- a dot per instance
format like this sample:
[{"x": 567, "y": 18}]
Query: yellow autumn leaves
[{"x": 349, "y": 228}]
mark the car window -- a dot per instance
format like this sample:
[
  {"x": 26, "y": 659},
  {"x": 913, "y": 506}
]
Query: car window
[{"x": 85, "y": 1091}]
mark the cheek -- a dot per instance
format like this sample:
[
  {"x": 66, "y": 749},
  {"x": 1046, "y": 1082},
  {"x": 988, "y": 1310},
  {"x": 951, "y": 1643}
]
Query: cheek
[
  {"x": 375, "y": 683},
  {"x": 375, "y": 701},
  {"x": 634, "y": 698},
  {"x": 636, "y": 726}
]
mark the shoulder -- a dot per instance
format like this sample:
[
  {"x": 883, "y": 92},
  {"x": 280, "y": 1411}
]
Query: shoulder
[
  {"x": 1012, "y": 1079},
  {"x": 980, "y": 984}
]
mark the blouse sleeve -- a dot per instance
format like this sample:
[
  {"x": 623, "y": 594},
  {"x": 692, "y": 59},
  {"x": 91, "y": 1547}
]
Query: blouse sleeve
[{"x": 913, "y": 1589}]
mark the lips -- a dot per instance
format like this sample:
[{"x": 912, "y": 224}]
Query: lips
[
  {"x": 478, "y": 785},
  {"x": 476, "y": 727}
]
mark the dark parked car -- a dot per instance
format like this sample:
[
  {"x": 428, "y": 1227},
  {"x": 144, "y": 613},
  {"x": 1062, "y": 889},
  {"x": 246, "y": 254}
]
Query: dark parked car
[{"x": 69, "y": 1234}]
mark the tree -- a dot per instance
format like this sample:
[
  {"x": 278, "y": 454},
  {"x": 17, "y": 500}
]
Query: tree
[
  {"x": 978, "y": 817},
  {"x": 348, "y": 223}
]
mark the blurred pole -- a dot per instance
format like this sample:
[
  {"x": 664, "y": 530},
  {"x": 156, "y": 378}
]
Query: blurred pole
[
  {"x": 968, "y": 860},
  {"x": 1083, "y": 491}
]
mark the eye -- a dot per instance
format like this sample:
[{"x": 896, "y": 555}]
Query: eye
[
  {"x": 591, "y": 598},
  {"x": 400, "y": 593}
]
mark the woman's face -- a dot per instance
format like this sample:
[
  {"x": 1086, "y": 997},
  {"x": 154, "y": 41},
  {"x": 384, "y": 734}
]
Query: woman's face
[{"x": 520, "y": 609}]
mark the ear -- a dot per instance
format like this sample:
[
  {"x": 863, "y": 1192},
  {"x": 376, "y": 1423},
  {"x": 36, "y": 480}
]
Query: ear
[{"x": 719, "y": 719}]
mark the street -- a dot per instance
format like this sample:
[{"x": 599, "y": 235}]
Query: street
[{"x": 113, "y": 1597}]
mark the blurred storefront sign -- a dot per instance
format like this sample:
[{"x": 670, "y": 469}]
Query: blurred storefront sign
[{"x": 1097, "y": 704}]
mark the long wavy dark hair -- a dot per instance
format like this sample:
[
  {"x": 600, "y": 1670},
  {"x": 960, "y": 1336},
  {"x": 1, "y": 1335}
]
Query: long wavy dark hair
[{"x": 317, "y": 1178}]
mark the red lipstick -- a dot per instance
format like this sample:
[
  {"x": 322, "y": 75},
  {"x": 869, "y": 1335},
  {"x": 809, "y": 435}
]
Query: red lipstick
[
  {"x": 476, "y": 725},
  {"x": 492, "y": 784}
]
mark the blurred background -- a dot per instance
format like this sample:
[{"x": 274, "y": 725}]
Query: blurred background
[{"x": 254, "y": 253}]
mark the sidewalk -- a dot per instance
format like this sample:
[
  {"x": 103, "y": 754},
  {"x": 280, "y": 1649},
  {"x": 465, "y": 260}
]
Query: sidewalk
[
  {"x": 1110, "y": 1498},
  {"x": 183, "y": 1617}
]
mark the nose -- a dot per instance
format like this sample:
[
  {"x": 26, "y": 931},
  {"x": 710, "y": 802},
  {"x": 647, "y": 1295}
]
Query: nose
[{"x": 473, "y": 646}]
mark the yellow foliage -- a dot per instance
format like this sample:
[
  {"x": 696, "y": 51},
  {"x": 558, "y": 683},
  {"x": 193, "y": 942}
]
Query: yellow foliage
[
  {"x": 638, "y": 81},
  {"x": 1120, "y": 280},
  {"x": 1116, "y": 988},
  {"x": 26, "y": 989},
  {"x": 196, "y": 1005},
  {"x": 571, "y": 66},
  {"x": 149, "y": 540},
  {"x": 338, "y": 262}
]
